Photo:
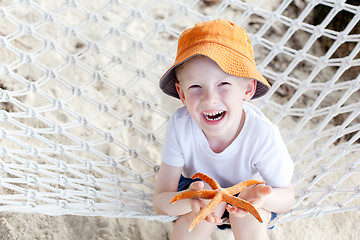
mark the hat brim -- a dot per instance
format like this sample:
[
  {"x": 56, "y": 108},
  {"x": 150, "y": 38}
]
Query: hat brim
[{"x": 230, "y": 61}]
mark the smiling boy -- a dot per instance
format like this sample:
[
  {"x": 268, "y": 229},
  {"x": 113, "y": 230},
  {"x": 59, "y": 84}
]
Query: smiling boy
[
  {"x": 214, "y": 99},
  {"x": 219, "y": 133}
]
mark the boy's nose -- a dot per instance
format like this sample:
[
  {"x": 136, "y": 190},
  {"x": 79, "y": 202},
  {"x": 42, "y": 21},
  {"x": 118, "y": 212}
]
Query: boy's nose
[{"x": 210, "y": 97}]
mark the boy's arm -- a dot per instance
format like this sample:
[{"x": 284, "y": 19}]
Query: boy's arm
[{"x": 165, "y": 189}]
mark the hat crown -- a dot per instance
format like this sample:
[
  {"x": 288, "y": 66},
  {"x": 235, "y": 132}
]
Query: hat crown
[{"x": 218, "y": 31}]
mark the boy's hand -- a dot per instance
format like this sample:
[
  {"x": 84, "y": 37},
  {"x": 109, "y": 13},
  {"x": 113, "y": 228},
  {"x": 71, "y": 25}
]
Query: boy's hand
[
  {"x": 198, "y": 204},
  {"x": 255, "y": 195}
]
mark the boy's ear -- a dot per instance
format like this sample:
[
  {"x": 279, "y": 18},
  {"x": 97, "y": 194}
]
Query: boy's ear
[
  {"x": 250, "y": 90},
  {"x": 180, "y": 92}
]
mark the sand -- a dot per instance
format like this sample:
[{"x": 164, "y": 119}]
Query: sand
[{"x": 40, "y": 226}]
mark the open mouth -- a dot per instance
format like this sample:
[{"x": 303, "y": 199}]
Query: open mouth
[{"x": 214, "y": 116}]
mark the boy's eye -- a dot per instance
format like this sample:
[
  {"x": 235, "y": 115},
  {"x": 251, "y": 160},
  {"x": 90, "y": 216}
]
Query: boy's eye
[
  {"x": 194, "y": 86},
  {"x": 224, "y": 83}
]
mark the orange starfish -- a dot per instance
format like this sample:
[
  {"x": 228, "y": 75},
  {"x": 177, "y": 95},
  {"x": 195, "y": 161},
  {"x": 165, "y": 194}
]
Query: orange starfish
[{"x": 218, "y": 195}]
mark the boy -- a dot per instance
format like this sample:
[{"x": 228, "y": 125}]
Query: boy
[{"x": 219, "y": 133}]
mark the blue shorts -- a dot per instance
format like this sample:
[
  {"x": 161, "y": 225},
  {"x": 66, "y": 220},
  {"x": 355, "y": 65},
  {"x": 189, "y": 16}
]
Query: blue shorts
[{"x": 184, "y": 184}]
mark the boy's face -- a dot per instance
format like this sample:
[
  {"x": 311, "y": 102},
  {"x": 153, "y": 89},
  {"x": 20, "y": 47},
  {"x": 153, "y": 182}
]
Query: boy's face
[{"x": 213, "y": 97}]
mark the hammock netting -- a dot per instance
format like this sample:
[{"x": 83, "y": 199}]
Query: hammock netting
[{"x": 82, "y": 118}]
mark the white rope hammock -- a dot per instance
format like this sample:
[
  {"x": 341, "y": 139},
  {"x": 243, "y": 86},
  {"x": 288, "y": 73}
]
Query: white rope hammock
[{"x": 82, "y": 118}]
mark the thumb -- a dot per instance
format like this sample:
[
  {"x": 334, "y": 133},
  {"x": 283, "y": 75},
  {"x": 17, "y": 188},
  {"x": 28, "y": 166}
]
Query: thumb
[
  {"x": 197, "y": 186},
  {"x": 265, "y": 190}
]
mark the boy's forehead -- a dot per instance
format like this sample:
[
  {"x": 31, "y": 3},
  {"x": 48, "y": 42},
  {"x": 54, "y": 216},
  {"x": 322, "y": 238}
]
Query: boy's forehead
[
  {"x": 192, "y": 65},
  {"x": 193, "y": 59},
  {"x": 200, "y": 59},
  {"x": 179, "y": 69},
  {"x": 196, "y": 60}
]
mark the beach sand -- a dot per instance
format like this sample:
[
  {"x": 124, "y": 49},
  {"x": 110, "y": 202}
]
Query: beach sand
[{"x": 38, "y": 226}]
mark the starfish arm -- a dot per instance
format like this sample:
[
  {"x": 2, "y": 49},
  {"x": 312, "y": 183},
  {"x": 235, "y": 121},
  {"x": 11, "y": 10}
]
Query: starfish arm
[
  {"x": 212, "y": 183},
  {"x": 206, "y": 194},
  {"x": 213, "y": 204},
  {"x": 241, "y": 186},
  {"x": 240, "y": 203}
]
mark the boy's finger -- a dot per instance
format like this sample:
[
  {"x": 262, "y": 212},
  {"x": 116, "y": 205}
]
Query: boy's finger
[
  {"x": 210, "y": 219},
  {"x": 213, "y": 219},
  {"x": 196, "y": 186},
  {"x": 234, "y": 210},
  {"x": 265, "y": 189},
  {"x": 240, "y": 211}
]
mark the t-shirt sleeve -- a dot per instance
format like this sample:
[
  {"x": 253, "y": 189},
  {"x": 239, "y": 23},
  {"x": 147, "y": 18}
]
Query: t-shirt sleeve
[
  {"x": 273, "y": 160},
  {"x": 171, "y": 150}
]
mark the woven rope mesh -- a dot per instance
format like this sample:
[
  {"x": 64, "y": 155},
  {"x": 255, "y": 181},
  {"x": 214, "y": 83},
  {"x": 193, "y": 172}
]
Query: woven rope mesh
[{"x": 82, "y": 118}]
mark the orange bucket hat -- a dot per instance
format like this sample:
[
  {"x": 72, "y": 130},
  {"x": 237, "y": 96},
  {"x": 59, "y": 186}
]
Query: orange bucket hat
[{"x": 225, "y": 43}]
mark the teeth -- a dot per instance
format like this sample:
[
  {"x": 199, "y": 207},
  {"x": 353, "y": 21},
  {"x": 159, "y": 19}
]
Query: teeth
[{"x": 214, "y": 116}]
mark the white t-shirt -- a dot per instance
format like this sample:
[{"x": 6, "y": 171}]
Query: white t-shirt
[{"x": 257, "y": 152}]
